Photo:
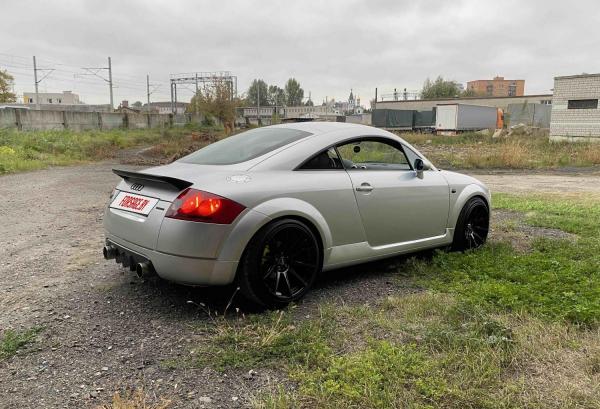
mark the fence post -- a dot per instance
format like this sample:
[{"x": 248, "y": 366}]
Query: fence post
[{"x": 18, "y": 119}]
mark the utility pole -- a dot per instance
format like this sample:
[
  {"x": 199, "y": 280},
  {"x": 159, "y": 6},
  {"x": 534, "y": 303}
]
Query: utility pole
[
  {"x": 172, "y": 105},
  {"x": 110, "y": 84},
  {"x": 37, "y": 97},
  {"x": 196, "y": 99},
  {"x": 148, "y": 90},
  {"x": 35, "y": 77},
  {"x": 175, "y": 94},
  {"x": 258, "y": 102},
  {"x": 375, "y": 103}
]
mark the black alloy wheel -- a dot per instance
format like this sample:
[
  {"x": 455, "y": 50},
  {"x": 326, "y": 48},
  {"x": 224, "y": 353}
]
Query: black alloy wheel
[
  {"x": 472, "y": 226},
  {"x": 280, "y": 263}
]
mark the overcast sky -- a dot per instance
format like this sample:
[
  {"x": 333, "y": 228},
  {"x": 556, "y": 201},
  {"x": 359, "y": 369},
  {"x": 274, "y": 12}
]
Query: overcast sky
[{"x": 328, "y": 46}]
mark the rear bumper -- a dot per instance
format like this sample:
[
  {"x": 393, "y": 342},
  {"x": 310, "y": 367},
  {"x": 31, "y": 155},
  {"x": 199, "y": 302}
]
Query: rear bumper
[{"x": 181, "y": 269}]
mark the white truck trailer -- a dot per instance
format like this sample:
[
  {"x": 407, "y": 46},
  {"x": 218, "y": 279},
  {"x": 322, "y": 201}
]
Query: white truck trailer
[{"x": 454, "y": 118}]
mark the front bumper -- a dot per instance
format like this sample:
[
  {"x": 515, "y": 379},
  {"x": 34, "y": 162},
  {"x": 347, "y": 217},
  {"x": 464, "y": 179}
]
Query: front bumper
[{"x": 181, "y": 269}]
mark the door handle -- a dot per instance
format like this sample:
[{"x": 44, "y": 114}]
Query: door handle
[{"x": 364, "y": 187}]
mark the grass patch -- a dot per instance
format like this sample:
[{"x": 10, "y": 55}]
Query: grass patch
[
  {"x": 495, "y": 329},
  {"x": 11, "y": 341},
  {"x": 432, "y": 350},
  {"x": 558, "y": 279},
  {"x": 22, "y": 151},
  {"x": 264, "y": 340},
  {"x": 476, "y": 151}
]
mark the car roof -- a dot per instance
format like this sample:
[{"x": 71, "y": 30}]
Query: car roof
[
  {"x": 324, "y": 134},
  {"x": 316, "y": 127}
]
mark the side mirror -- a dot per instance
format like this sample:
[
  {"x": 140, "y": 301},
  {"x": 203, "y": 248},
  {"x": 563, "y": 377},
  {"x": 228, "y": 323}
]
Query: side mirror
[{"x": 420, "y": 166}]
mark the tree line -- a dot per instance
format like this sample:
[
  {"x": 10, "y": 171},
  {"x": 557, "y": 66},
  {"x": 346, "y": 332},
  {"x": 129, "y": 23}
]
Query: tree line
[
  {"x": 291, "y": 94},
  {"x": 441, "y": 88}
]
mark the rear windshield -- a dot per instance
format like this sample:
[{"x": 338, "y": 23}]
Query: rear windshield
[{"x": 244, "y": 146}]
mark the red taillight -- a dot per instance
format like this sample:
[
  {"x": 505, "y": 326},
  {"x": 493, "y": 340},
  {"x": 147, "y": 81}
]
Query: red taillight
[{"x": 199, "y": 206}]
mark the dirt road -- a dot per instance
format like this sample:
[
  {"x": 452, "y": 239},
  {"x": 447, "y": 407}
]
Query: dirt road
[{"x": 102, "y": 329}]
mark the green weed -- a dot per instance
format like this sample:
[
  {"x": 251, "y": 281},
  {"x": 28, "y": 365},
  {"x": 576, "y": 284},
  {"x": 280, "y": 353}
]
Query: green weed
[{"x": 11, "y": 341}]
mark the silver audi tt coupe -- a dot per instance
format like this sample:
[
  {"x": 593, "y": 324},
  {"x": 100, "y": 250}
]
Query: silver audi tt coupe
[{"x": 272, "y": 207}]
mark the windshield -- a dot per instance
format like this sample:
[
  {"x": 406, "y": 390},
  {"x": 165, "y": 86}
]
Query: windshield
[{"x": 245, "y": 146}]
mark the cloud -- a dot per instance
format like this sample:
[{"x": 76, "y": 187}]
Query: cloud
[{"x": 329, "y": 46}]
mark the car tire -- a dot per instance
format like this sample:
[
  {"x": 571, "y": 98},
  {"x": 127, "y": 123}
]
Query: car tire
[
  {"x": 280, "y": 264},
  {"x": 472, "y": 226}
]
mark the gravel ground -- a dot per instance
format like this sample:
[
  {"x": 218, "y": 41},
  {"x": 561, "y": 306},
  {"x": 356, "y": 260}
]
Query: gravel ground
[{"x": 104, "y": 329}]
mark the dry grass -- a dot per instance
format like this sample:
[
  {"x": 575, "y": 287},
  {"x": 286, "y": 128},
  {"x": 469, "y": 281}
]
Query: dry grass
[
  {"x": 22, "y": 151},
  {"x": 557, "y": 363},
  {"x": 135, "y": 400},
  {"x": 473, "y": 150}
]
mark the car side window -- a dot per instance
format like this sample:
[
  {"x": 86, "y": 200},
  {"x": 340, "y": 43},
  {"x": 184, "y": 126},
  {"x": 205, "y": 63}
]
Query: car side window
[
  {"x": 327, "y": 159},
  {"x": 373, "y": 154}
]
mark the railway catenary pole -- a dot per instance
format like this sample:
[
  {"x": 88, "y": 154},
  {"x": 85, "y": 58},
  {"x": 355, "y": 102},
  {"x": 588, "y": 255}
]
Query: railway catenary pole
[
  {"x": 148, "y": 90},
  {"x": 37, "y": 96},
  {"x": 110, "y": 84}
]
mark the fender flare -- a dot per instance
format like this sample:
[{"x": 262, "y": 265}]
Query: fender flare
[
  {"x": 256, "y": 218},
  {"x": 465, "y": 195}
]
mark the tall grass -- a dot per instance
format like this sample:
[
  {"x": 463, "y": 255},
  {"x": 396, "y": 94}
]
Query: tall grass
[
  {"x": 473, "y": 150},
  {"x": 21, "y": 151}
]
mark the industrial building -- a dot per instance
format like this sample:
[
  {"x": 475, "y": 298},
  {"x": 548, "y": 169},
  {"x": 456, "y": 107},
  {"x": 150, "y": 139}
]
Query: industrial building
[
  {"x": 165, "y": 107},
  {"x": 64, "y": 98},
  {"x": 497, "y": 87},
  {"x": 575, "y": 113},
  {"x": 497, "y": 102}
]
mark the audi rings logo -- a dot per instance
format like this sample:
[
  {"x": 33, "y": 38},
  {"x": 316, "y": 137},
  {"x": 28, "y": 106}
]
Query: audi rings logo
[{"x": 137, "y": 186}]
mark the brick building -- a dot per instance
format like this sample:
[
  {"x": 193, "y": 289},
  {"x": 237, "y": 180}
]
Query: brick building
[
  {"x": 575, "y": 113},
  {"x": 498, "y": 87}
]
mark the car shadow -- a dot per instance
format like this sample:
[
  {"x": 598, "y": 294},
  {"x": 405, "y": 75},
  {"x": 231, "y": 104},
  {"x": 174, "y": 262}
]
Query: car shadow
[{"x": 353, "y": 284}]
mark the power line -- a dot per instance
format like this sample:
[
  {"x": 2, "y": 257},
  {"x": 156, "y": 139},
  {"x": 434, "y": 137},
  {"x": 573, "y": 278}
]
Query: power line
[
  {"x": 35, "y": 78},
  {"x": 61, "y": 73},
  {"x": 96, "y": 70}
]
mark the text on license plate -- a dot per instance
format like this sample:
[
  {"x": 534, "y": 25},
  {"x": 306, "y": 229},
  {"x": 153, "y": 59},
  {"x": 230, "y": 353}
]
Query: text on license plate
[{"x": 134, "y": 203}]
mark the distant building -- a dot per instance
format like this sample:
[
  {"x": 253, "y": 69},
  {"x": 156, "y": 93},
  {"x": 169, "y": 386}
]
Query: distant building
[
  {"x": 575, "y": 113},
  {"x": 125, "y": 108},
  {"x": 498, "y": 102},
  {"x": 165, "y": 107},
  {"x": 315, "y": 111},
  {"x": 64, "y": 98},
  {"x": 497, "y": 87},
  {"x": 354, "y": 107}
]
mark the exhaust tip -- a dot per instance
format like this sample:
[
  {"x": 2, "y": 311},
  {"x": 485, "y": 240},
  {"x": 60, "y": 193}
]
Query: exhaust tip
[
  {"x": 143, "y": 270},
  {"x": 109, "y": 252}
]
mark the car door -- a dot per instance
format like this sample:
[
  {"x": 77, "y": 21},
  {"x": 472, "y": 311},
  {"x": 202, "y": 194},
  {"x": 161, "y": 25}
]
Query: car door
[{"x": 395, "y": 204}]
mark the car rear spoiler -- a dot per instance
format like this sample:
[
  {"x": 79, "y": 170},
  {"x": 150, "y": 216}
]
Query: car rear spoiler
[{"x": 177, "y": 183}]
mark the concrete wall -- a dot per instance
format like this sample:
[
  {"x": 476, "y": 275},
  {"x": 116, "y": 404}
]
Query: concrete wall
[
  {"x": 136, "y": 121},
  {"x": 8, "y": 118},
  {"x": 112, "y": 120},
  {"x": 575, "y": 124},
  {"x": 180, "y": 119},
  {"x": 537, "y": 115},
  {"x": 40, "y": 120},
  {"x": 364, "y": 119},
  {"x": 159, "y": 121},
  {"x": 81, "y": 121},
  {"x": 498, "y": 102},
  {"x": 29, "y": 119}
]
